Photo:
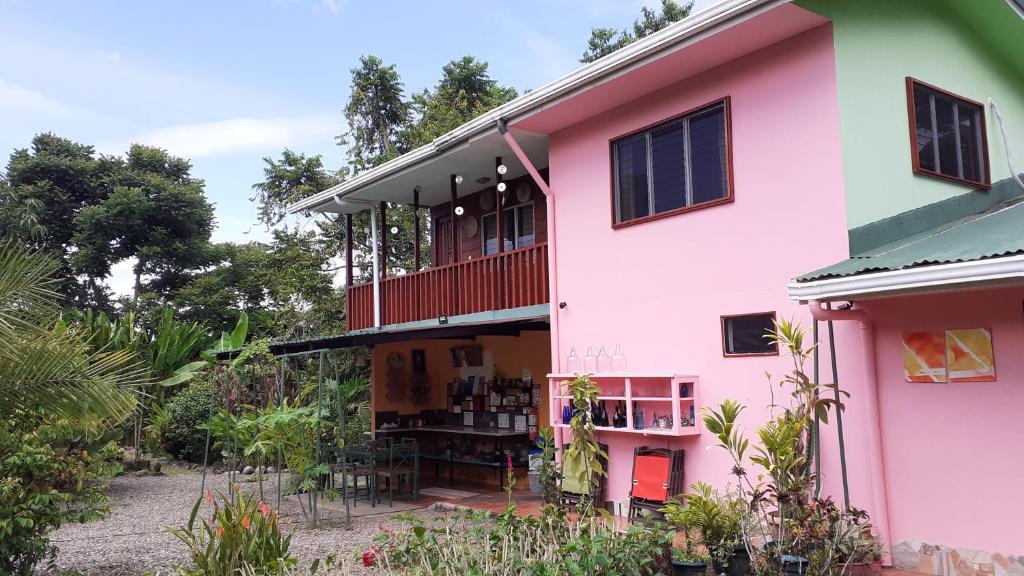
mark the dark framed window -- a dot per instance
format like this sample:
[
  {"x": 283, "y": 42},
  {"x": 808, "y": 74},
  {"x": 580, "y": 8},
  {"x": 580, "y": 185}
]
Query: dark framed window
[
  {"x": 947, "y": 135},
  {"x": 518, "y": 229},
  {"x": 749, "y": 335},
  {"x": 675, "y": 166}
]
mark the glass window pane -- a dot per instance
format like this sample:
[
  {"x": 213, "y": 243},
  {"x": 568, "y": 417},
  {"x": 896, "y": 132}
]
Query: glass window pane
[
  {"x": 509, "y": 230},
  {"x": 925, "y": 136},
  {"x": 668, "y": 163},
  {"x": 970, "y": 142},
  {"x": 948, "y": 152},
  {"x": 631, "y": 158},
  {"x": 708, "y": 156},
  {"x": 525, "y": 233},
  {"x": 746, "y": 334},
  {"x": 489, "y": 223}
]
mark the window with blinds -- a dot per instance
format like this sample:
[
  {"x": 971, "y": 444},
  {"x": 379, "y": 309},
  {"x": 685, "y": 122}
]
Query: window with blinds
[
  {"x": 675, "y": 166},
  {"x": 947, "y": 135},
  {"x": 518, "y": 229}
]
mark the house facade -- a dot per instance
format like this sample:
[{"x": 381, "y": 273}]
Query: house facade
[{"x": 840, "y": 164}]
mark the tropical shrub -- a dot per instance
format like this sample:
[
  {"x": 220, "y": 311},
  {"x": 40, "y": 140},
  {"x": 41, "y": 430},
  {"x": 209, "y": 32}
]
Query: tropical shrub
[
  {"x": 187, "y": 411},
  {"x": 482, "y": 544},
  {"x": 242, "y": 535},
  {"x": 711, "y": 519}
]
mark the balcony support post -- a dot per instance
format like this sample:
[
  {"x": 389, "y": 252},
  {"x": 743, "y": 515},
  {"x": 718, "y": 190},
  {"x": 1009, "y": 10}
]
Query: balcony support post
[
  {"x": 499, "y": 225},
  {"x": 376, "y": 267},
  {"x": 416, "y": 229},
  {"x": 384, "y": 239},
  {"x": 348, "y": 250},
  {"x": 453, "y": 301}
]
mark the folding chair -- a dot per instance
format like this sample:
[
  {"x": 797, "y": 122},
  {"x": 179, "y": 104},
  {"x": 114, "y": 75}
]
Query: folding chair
[
  {"x": 657, "y": 477},
  {"x": 399, "y": 465},
  {"x": 572, "y": 491}
]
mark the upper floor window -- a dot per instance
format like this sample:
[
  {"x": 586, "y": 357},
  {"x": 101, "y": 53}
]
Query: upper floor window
[
  {"x": 947, "y": 134},
  {"x": 673, "y": 167},
  {"x": 518, "y": 229}
]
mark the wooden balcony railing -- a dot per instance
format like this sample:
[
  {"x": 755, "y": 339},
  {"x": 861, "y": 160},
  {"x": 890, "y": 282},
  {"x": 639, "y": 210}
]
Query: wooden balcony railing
[{"x": 507, "y": 280}]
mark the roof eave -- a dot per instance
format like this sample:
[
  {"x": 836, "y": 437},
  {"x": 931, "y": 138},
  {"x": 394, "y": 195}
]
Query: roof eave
[
  {"x": 718, "y": 16},
  {"x": 975, "y": 273}
]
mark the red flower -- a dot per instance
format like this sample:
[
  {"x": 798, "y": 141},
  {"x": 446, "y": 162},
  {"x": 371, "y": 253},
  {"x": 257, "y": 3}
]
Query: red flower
[
  {"x": 209, "y": 496},
  {"x": 264, "y": 509},
  {"x": 245, "y": 522},
  {"x": 220, "y": 531},
  {"x": 508, "y": 462},
  {"x": 369, "y": 556}
]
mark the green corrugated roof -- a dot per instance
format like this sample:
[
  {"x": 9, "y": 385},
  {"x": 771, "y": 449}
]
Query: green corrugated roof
[{"x": 998, "y": 231}]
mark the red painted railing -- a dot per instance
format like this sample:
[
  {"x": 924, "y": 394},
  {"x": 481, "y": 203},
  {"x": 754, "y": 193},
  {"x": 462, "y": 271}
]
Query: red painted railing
[{"x": 508, "y": 280}]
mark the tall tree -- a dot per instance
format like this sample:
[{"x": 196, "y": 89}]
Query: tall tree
[
  {"x": 289, "y": 180},
  {"x": 156, "y": 213},
  {"x": 604, "y": 41},
  {"x": 376, "y": 113},
  {"x": 464, "y": 92}
]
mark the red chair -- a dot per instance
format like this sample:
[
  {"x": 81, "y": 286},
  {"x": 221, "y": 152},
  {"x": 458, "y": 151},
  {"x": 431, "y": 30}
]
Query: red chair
[{"x": 657, "y": 477}]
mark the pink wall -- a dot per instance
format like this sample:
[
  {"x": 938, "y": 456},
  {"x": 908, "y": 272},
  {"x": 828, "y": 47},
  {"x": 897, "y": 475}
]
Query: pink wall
[
  {"x": 954, "y": 453},
  {"x": 659, "y": 288}
]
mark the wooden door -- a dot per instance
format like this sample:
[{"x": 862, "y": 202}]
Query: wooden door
[{"x": 444, "y": 252}]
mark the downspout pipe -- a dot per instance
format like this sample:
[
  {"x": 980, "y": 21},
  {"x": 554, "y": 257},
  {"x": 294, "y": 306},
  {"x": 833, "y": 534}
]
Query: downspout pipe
[
  {"x": 874, "y": 430},
  {"x": 549, "y": 196}
]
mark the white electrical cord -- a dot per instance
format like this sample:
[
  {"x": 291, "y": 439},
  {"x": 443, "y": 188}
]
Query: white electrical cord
[{"x": 1006, "y": 143}]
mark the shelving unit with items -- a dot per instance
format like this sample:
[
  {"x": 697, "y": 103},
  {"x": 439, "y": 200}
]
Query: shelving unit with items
[{"x": 655, "y": 404}]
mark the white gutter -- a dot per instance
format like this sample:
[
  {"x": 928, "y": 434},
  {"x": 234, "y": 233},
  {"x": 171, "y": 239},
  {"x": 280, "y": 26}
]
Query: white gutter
[
  {"x": 709, "y": 20},
  {"x": 987, "y": 271}
]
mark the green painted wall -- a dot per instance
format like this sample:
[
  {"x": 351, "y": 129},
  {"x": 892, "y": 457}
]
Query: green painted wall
[{"x": 879, "y": 44}]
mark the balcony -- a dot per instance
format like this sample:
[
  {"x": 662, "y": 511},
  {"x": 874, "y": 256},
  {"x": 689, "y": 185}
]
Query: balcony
[{"x": 511, "y": 279}]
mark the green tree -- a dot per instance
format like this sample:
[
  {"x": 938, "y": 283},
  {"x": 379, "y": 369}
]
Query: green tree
[
  {"x": 376, "y": 113},
  {"x": 604, "y": 41},
  {"x": 156, "y": 213},
  {"x": 288, "y": 180}
]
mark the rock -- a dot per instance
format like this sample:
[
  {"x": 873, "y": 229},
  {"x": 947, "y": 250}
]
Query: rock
[
  {"x": 140, "y": 473},
  {"x": 155, "y": 466},
  {"x": 248, "y": 470},
  {"x": 271, "y": 470}
]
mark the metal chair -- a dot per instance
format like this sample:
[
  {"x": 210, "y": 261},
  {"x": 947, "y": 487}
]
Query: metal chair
[
  {"x": 657, "y": 476},
  {"x": 400, "y": 464},
  {"x": 359, "y": 462}
]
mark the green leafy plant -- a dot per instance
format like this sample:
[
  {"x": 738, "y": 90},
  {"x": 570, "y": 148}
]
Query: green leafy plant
[
  {"x": 584, "y": 453},
  {"x": 548, "y": 473},
  {"x": 784, "y": 516},
  {"x": 241, "y": 536},
  {"x": 187, "y": 411},
  {"x": 711, "y": 519}
]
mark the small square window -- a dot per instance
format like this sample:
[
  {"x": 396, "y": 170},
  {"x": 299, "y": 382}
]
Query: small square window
[
  {"x": 947, "y": 135},
  {"x": 749, "y": 334}
]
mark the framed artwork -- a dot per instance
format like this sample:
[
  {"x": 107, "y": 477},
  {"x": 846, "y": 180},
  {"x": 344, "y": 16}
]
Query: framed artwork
[
  {"x": 969, "y": 356},
  {"x": 963, "y": 355},
  {"x": 419, "y": 361}
]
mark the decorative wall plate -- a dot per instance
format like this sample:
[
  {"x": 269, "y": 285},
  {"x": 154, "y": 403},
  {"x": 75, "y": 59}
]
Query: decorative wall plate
[
  {"x": 469, "y": 227},
  {"x": 487, "y": 200},
  {"x": 396, "y": 360},
  {"x": 523, "y": 192}
]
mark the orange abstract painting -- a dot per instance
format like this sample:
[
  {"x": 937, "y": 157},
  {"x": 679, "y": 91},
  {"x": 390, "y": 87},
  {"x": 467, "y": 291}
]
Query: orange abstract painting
[
  {"x": 924, "y": 356},
  {"x": 969, "y": 356}
]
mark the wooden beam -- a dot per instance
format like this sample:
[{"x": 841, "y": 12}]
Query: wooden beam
[
  {"x": 416, "y": 229},
  {"x": 348, "y": 250},
  {"x": 384, "y": 239},
  {"x": 455, "y": 222},
  {"x": 500, "y": 224}
]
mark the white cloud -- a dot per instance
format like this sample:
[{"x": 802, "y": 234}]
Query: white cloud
[
  {"x": 122, "y": 278},
  {"x": 235, "y": 135},
  {"x": 109, "y": 56},
  {"x": 15, "y": 97},
  {"x": 332, "y": 6}
]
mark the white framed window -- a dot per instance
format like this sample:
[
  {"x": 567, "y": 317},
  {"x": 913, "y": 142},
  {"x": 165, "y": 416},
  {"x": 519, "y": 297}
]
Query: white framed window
[{"x": 519, "y": 230}]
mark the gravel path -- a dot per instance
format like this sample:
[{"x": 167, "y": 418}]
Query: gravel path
[{"x": 133, "y": 540}]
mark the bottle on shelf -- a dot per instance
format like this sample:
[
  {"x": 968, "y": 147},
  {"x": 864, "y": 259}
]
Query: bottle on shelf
[
  {"x": 618, "y": 359},
  {"x": 589, "y": 361},
  {"x": 572, "y": 362},
  {"x": 604, "y": 415},
  {"x": 684, "y": 390},
  {"x": 638, "y": 418},
  {"x": 566, "y": 414},
  {"x": 692, "y": 416},
  {"x": 604, "y": 361}
]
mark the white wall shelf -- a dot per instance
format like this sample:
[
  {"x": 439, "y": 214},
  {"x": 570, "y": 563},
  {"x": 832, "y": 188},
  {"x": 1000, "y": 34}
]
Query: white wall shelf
[{"x": 650, "y": 391}]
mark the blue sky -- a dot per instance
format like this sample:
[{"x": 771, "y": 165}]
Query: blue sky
[{"x": 226, "y": 83}]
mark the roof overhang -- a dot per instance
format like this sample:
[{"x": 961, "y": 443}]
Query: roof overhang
[
  {"x": 679, "y": 50},
  {"x": 939, "y": 277}
]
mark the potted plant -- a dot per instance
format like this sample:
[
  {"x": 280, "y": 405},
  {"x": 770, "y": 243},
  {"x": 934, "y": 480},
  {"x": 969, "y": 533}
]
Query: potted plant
[
  {"x": 866, "y": 559},
  {"x": 687, "y": 563},
  {"x": 714, "y": 519}
]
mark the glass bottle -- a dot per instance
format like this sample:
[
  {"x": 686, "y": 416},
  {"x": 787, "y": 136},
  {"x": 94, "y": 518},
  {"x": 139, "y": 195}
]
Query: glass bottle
[
  {"x": 618, "y": 359},
  {"x": 590, "y": 361},
  {"x": 572, "y": 362},
  {"x": 604, "y": 361}
]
